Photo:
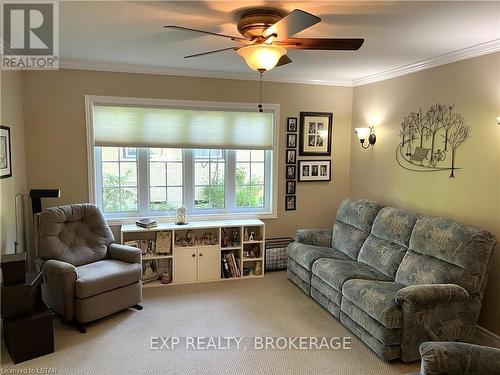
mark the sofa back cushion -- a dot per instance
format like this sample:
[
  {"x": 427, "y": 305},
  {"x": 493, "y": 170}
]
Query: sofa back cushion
[
  {"x": 76, "y": 234},
  {"x": 446, "y": 251},
  {"x": 353, "y": 225},
  {"x": 388, "y": 241}
]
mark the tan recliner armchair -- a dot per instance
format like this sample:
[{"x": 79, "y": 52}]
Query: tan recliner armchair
[{"x": 86, "y": 276}]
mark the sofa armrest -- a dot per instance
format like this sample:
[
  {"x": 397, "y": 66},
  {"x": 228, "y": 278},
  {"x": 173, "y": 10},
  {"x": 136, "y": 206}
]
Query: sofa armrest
[
  {"x": 58, "y": 287},
  {"x": 430, "y": 294},
  {"x": 457, "y": 358},
  {"x": 124, "y": 253},
  {"x": 315, "y": 237}
]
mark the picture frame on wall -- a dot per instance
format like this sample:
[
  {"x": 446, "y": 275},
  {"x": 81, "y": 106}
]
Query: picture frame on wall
[
  {"x": 291, "y": 156},
  {"x": 315, "y": 134},
  {"x": 291, "y": 140},
  {"x": 291, "y": 124},
  {"x": 315, "y": 170},
  {"x": 5, "y": 152},
  {"x": 291, "y": 187},
  {"x": 290, "y": 202},
  {"x": 291, "y": 172}
]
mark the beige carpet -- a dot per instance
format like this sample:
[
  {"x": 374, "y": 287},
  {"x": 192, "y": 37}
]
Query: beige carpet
[{"x": 271, "y": 306}]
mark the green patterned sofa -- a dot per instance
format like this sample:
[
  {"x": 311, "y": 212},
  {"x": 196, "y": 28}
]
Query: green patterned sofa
[
  {"x": 393, "y": 277},
  {"x": 458, "y": 358}
]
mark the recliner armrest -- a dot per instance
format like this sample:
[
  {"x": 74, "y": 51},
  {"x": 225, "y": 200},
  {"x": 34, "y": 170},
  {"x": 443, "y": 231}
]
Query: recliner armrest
[
  {"x": 57, "y": 267},
  {"x": 124, "y": 253},
  {"x": 429, "y": 294},
  {"x": 315, "y": 237},
  {"x": 58, "y": 287},
  {"x": 458, "y": 358}
]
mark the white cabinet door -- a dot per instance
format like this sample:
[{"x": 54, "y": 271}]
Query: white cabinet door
[
  {"x": 185, "y": 265},
  {"x": 208, "y": 263}
]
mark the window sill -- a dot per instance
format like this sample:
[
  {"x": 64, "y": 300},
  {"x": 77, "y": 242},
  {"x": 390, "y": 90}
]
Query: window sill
[{"x": 205, "y": 217}]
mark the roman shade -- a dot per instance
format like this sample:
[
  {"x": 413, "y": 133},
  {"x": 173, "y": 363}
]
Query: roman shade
[{"x": 141, "y": 126}]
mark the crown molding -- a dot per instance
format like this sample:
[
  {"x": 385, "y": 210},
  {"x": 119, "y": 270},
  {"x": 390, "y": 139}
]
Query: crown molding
[
  {"x": 144, "y": 69},
  {"x": 447, "y": 58},
  {"x": 462, "y": 54}
]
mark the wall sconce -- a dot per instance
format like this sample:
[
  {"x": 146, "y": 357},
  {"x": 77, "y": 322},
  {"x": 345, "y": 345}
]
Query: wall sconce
[
  {"x": 498, "y": 120},
  {"x": 363, "y": 134}
]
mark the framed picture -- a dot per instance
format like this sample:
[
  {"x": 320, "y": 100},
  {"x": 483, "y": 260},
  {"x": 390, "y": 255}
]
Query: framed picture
[
  {"x": 315, "y": 137},
  {"x": 5, "y": 152},
  {"x": 315, "y": 170},
  {"x": 149, "y": 270},
  {"x": 291, "y": 124},
  {"x": 291, "y": 172},
  {"x": 290, "y": 187},
  {"x": 291, "y": 140},
  {"x": 290, "y": 202},
  {"x": 291, "y": 156}
]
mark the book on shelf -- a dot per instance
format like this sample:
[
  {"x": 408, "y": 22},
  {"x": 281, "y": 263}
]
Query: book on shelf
[
  {"x": 146, "y": 223},
  {"x": 230, "y": 265}
]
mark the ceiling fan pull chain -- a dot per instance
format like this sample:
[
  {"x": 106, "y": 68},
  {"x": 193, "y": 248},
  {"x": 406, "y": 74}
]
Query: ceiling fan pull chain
[{"x": 260, "y": 93}]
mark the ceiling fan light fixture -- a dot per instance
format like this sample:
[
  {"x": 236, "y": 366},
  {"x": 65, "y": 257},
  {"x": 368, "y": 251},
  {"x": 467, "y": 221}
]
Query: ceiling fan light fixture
[{"x": 262, "y": 57}]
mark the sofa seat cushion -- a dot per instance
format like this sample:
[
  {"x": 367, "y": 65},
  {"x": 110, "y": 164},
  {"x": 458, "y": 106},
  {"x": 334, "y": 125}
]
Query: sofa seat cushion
[
  {"x": 375, "y": 298},
  {"x": 306, "y": 255},
  {"x": 326, "y": 290},
  {"x": 383, "y": 334},
  {"x": 99, "y": 277},
  {"x": 336, "y": 272}
]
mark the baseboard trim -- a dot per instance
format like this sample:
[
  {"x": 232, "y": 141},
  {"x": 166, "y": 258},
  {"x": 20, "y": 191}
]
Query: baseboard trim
[{"x": 486, "y": 337}]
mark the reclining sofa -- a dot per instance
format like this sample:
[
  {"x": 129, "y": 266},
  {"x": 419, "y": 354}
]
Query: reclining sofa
[{"x": 393, "y": 277}]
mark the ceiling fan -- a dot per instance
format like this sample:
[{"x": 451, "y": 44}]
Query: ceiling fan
[{"x": 266, "y": 37}]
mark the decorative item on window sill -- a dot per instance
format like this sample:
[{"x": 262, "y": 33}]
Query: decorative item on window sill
[
  {"x": 181, "y": 216},
  {"x": 364, "y": 134}
]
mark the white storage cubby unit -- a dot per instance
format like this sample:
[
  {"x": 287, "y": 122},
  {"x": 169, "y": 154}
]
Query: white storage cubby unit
[{"x": 199, "y": 251}]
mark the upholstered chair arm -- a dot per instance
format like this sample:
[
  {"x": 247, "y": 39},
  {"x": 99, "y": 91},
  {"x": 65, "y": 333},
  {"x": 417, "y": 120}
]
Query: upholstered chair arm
[
  {"x": 315, "y": 237},
  {"x": 424, "y": 295},
  {"x": 58, "y": 287},
  {"x": 124, "y": 253},
  {"x": 458, "y": 358}
]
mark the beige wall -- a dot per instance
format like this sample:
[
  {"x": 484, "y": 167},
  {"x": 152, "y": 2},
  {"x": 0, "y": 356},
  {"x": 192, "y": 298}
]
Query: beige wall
[
  {"x": 473, "y": 86},
  {"x": 11, "y": 115},
  {"x": 55, "y": 131}
]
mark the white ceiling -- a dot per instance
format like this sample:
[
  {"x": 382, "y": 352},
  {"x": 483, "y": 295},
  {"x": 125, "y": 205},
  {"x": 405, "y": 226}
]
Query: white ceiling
[{"x": 396, "y": 33}]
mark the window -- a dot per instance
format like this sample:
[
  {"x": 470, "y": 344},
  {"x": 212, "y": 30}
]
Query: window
[
  {"x": 209, "y": 181},
  {"x": 165, "y": 179},
  {"x": 119, "y": 179},
  {"x": 250, "y": 178},
  {"x": 138, "y": 171}
]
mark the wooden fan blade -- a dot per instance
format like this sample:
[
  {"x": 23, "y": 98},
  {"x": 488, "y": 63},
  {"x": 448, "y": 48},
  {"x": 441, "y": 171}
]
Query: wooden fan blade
[
  {"x": 291, "y": 24},
  {"x": 283, "y": 61},
  {"x": 203, "y": 32},
  {"x": 210, "y": 52},
  {"x": 332, "y": 44}
]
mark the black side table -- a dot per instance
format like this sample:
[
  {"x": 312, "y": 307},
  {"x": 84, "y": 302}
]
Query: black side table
[{"x": 27, "y": 322}]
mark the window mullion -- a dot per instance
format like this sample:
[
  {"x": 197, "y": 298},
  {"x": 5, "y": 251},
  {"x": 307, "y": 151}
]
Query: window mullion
[
  {"x": 230, "y": 180},
  {"x": 98, "y": 176},
  {"x": 143, "y": 180},
  {"x": 268, "y": 180},
  {"x": 188, "y": 179}
]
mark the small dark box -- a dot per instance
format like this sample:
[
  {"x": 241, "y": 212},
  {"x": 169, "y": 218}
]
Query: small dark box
[
  {"x": 22, "y": 299},
  {"x": 29, "y": 337},
  {"x": 13, "y": 268}
]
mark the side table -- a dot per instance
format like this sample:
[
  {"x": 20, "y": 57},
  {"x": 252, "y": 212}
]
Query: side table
[{"x": 27, "y": 322}]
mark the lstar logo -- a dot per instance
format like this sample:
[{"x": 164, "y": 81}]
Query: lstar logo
[{"x": 30, "y": 35}]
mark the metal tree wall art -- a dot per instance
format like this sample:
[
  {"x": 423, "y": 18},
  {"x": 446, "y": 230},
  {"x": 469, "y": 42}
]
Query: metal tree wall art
[{"x": 429, "y": 142}]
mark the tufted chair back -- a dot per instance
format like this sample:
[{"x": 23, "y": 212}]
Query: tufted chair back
[{"x": 77, "y": 234}]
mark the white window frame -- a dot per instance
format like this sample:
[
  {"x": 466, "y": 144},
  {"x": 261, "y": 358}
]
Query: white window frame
[{"x": 243, "y": 213}]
